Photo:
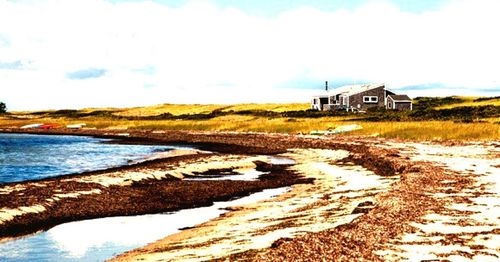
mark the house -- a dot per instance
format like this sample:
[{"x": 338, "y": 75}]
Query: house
[
  {"x": 399, "y": 102},
  {"x": 360, "y": 98}
]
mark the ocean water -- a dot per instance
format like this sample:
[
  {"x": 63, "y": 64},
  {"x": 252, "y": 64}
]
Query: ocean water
[{"x": 30, "y": 157}]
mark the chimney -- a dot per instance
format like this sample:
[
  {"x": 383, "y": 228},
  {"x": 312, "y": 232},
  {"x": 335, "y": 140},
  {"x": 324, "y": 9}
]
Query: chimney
[{"x": 326, "y": 85}]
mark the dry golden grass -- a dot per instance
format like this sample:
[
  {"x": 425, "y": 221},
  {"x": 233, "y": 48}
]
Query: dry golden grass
[
  {"x": 442, "y": 130},
  {"x": 423, "y": 130},
  {"x": 495, "y": 120},
  {"x": 434, "y": 130},
  {"x": 181, "y": 109},
  {"x": 469, "y": 101},
  {"x": 169, "y": 108},
  {"x": 269, "y": 107}
]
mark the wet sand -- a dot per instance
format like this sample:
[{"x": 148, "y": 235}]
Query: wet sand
[
  {"x": 439, "y": 201},
  {"x": 444, "y": 208},
  {"x": 146, "y": 188},
  {"x": 332, "y": 200}
]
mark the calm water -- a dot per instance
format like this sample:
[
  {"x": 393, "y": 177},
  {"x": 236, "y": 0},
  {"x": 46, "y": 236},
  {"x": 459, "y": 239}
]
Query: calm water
[
  {"x": 27, "y": 157},
  {"x": 104, "y": 238}
]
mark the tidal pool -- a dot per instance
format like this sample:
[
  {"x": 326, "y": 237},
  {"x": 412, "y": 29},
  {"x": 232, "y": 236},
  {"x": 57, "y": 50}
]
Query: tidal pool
[{"x": 103, "y": 238}]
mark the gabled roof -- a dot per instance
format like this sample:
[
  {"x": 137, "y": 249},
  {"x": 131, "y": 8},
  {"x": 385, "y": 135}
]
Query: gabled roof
[
  {"x": 400, "y": 98},
  {"x": 354, "y": 89}
]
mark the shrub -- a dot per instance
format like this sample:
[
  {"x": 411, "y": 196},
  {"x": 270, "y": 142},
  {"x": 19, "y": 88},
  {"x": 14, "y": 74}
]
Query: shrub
[
  {"x": 421, "y": 103},
  {"x": 486, "y": 98},
  {"x": 466, "y": 113}
]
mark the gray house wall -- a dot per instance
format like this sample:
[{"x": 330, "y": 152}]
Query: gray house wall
[
  {"x": 398, "y": 105},
  {"x": 403, "y": 106},
  {"x": 357, "y": 99}
]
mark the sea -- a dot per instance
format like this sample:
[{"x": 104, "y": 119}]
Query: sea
[{"x": 32, "y": 157}]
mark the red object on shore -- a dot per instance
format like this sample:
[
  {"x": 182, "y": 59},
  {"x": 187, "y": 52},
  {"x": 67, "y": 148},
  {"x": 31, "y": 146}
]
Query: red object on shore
[{"x": 48, "y": 126}]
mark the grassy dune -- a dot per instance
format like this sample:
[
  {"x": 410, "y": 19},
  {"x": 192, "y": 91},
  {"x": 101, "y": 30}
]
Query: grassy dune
[
  {"x": 433, "y": 130},
  {"x": 472, "y": 101},
  {"x": 422, "y": 130},
  {"x": 265, "y": 118},
  {"x": 204, "y": 109}
]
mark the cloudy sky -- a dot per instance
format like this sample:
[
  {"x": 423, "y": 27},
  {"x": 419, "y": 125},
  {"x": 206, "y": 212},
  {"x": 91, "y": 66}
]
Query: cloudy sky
[{"x": 74, "y": 54}]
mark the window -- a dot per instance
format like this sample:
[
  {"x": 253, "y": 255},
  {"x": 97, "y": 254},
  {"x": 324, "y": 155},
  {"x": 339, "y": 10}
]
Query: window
[
  {"x": 370, "y": 99},
  {"x": 334, "y": 100}
]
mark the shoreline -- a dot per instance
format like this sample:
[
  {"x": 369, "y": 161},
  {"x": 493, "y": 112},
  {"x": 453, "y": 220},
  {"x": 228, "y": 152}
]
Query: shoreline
[
  {"x": 392, "y": 217},
  {"x": 27, "y": 207},
  {"x": 35, "y": 203},
  {"x": 336, "y": 197}
]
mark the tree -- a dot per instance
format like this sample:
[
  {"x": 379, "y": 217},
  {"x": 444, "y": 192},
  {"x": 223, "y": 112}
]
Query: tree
[{"x": 3, "y": 108}]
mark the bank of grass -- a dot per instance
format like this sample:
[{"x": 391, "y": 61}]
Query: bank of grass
[
  {"x": 168, "y": 108},
  {"x": 177, "y": 110},
  {"x": 472, "y": 101},
  {"x": 269, "y": 107},
  {"x": 417, "y": 130},
  {"x": 432, "y": 130},
  {"x": 425, "y": 122}
]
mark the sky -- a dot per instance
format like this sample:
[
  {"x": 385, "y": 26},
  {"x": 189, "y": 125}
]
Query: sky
[{"x": 95, "y": 53}]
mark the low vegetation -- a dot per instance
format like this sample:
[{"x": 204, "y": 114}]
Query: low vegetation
[
  {"x": 473, "y": 102},
  {"x": 467, "y": 114},
  {"x": 422, "y": 103},
  {"x": 205, "y": 109},
  {"x": 432, "y": 118}
]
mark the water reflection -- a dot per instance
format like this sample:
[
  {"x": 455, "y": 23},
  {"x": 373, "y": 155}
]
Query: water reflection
[
  {"x": 276, "y": 160},
  {"x": 100, "y": 239},
  {"x": 241, "y": 175}
]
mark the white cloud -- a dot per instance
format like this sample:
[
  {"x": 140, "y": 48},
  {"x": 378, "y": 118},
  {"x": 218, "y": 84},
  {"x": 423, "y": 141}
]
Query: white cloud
[{"x": 203, "y": 54}]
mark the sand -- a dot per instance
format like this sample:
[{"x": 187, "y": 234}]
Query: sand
[
  {"x": 327, "y": 203},
  {"x": 388, "y": 200},
  {"x": 468, "y": 228},
  {"x": 179, "y": 170}
]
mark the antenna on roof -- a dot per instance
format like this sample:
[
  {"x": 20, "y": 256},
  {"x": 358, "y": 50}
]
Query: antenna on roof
[{"x": 326, "y": 85}]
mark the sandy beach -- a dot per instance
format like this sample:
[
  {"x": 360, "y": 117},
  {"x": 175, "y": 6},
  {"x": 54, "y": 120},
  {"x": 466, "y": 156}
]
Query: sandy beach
[{"x": 350, "y": 198}]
